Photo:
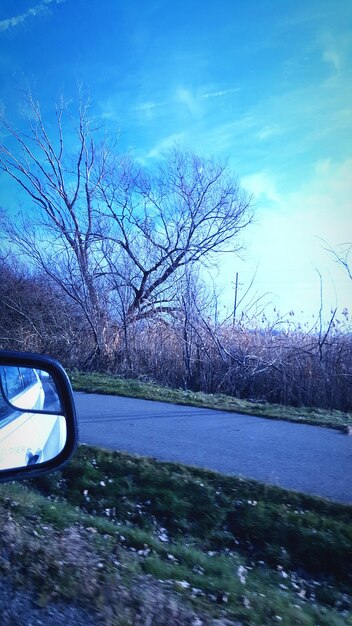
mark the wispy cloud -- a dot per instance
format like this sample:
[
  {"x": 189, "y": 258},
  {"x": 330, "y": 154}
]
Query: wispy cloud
[
  {"x": 268, "y": 131},
  {"x": 149, "y": 106},
  {"x": 219, "y": 94},
  {"x": 307, "y": 14},
  {"x": 193, "y": 101},
  {"x": 165, "y": 144},
  {"x": 38, "y": 9},
  {"x": 331, "y": 55},
  {"x": 286, "y": 240},
  {"x": 261, "y": 184},
  {"x": 186, "y": 97}
]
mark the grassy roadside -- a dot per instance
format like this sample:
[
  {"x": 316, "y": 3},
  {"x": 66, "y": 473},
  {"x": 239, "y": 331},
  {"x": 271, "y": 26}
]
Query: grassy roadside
[
  {"x": 134, "y": 537},
  {"x": 109, "y": 384}
]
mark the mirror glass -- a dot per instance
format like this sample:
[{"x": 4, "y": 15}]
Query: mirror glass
[
  {"x": 32, "y": 424},
  {"x": 30, "y": 389}
]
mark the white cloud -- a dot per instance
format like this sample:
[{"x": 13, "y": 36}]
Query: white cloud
[
  {"x": 325, "y": 202},
  {"x": 287, "y": 241},
  {"x": 261, "y": 184},
  {"x": 332, "y": 55},
  {"x": 38, "y": 9},
  {"x": 186, "y": 97},
  {"x": 267, "y": 131},
  {"x": 219, "y": 94},
  {"x": 149, "y": 106},
  {"x": 165, "y": 144}
]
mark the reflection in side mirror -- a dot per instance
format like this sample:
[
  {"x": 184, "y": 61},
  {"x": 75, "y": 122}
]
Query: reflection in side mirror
[
  {"x": 37, "y": 421},
  {"x": 28, "y": 388}
]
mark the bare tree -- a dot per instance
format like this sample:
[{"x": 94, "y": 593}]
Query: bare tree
[
  {"x": 343, "y": 255},
  {"x": 115, "y": 238},
  {"x": 178, "y": 215},
  {"x": 60, "y": 233}
]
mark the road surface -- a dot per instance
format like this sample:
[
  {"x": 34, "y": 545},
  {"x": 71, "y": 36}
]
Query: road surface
[{"x": 301, "y": 457}]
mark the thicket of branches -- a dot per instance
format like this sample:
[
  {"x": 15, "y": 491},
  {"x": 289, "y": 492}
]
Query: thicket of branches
[{"x": 188, "y": 350}]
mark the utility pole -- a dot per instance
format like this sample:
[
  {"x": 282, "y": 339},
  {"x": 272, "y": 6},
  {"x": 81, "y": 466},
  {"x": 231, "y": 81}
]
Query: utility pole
[{"x": 235, "y": 301}]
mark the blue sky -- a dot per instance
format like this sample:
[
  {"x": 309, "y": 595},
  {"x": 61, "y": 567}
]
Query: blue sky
[{"x": 266, "y": 84}]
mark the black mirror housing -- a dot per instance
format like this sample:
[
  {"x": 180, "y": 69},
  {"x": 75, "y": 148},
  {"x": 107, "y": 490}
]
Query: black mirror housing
[{"x": 44, "y": 371}]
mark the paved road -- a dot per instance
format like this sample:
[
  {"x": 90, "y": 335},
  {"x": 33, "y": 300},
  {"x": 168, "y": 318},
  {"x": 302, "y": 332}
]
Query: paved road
[{"x": 297, "y": 456}]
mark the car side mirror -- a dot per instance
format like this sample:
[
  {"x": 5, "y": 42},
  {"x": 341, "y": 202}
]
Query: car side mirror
[{"x": 38, "y": 426}]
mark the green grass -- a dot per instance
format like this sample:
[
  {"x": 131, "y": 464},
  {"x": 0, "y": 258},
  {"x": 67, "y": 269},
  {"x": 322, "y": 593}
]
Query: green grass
[
  {"x": 212, "y": 545},
  {"x": 109, "y": 384},
  {"x": 126, "y": 535},
  {"x": 213, "y": 511}
]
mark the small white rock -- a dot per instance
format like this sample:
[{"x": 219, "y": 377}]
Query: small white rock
[
  {"x": 182, "y": 584},
  {"x": 246, "y": 603}
]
